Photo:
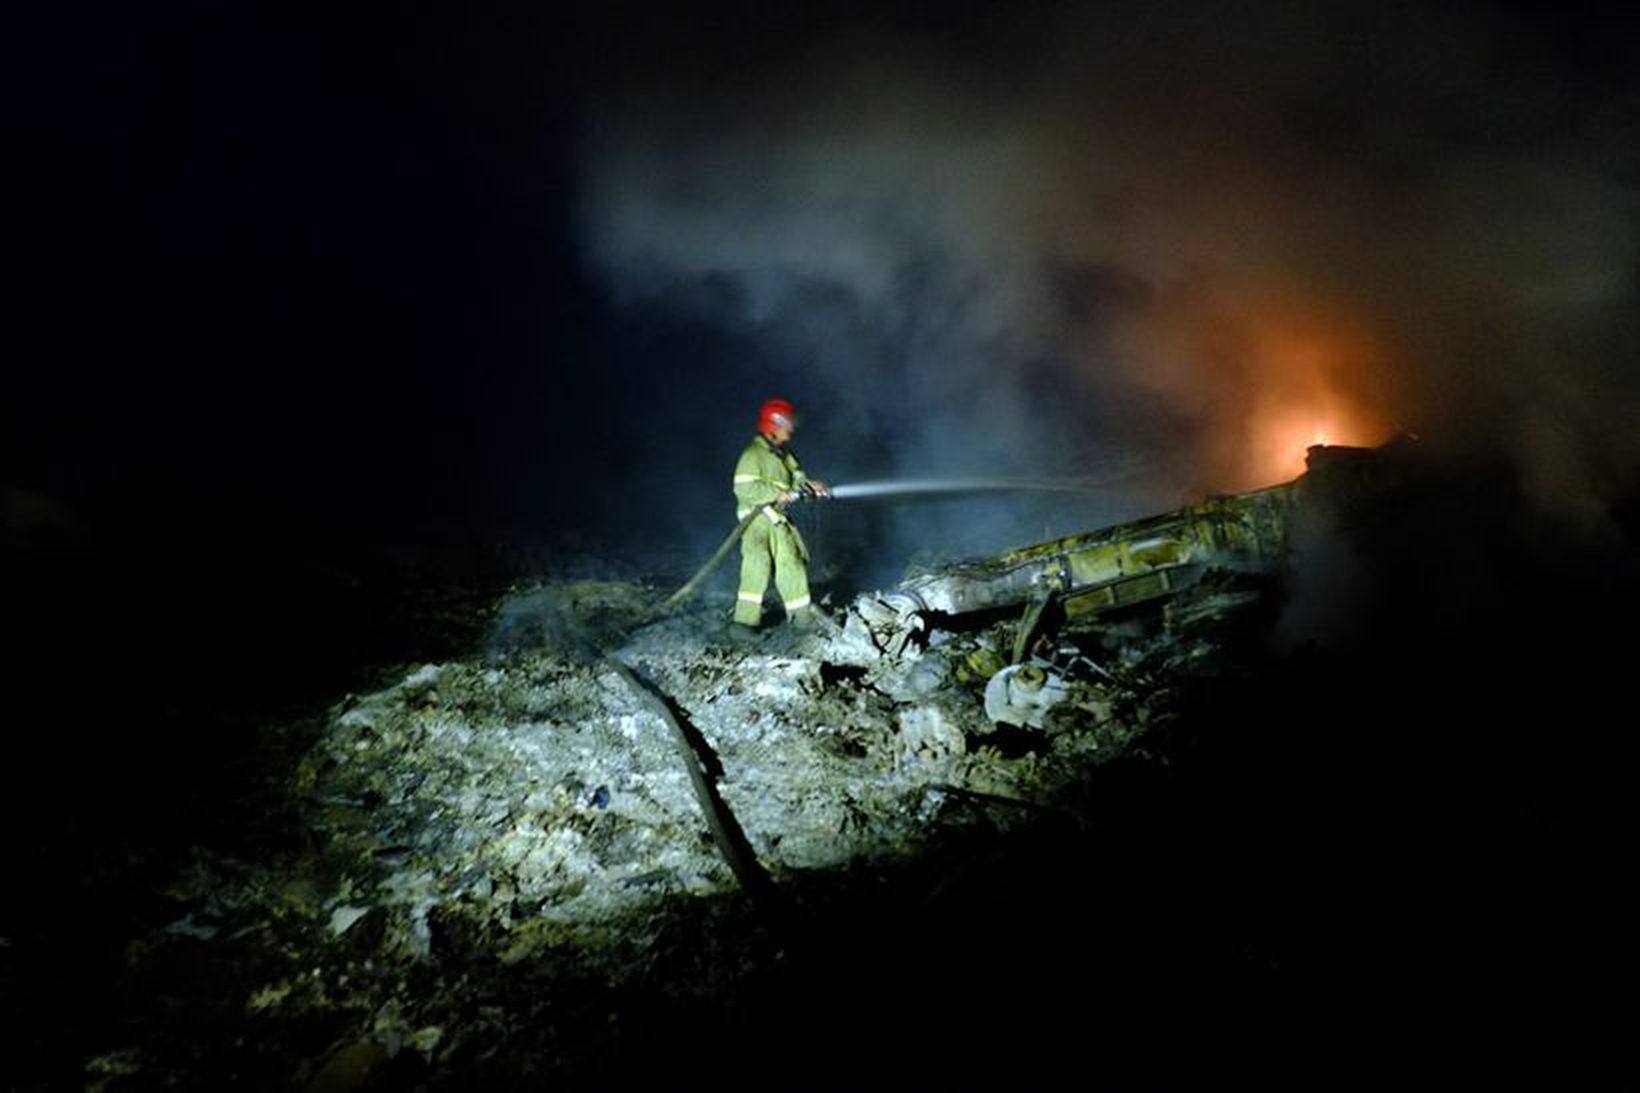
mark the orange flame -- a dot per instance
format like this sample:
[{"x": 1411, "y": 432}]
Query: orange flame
[
  {"x": 1303, "y": 398},
  {"x": 1272, "y": 371}
]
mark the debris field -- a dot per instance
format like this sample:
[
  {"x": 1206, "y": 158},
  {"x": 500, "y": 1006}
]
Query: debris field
[{"x": 482, "y": 855}]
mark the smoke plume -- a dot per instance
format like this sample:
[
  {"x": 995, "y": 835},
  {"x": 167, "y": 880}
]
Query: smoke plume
[{"x": 1175, "y": 245}]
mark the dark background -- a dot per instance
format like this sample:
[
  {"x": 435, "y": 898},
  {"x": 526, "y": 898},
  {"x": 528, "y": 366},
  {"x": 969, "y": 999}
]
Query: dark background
[
  {"x": 326, "y": 324},
  {"x": 423, "y": 271}
]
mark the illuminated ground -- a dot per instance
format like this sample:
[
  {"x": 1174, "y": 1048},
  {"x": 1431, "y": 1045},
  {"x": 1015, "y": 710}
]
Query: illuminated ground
[
  {"x": 520, "y": 816},
  {"x": 1406, "y": 852}
]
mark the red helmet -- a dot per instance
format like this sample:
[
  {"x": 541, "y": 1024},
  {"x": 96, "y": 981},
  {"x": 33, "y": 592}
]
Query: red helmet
[{"x": 773, "y": 409}]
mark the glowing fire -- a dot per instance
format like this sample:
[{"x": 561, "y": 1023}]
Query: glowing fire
[
  {"x": 1281, "y": 440},
  {"x": 1272, "y": 372},
  {"x": 1302, "y": 402}
]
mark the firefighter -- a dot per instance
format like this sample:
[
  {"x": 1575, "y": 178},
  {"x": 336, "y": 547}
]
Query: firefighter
[{"x": 768, "y": 473}]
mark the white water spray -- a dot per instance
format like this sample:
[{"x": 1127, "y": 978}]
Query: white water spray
[{"x": 893, "y": 488}]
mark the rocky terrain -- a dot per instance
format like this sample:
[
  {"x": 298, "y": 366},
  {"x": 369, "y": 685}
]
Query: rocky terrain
[
  {"x": 485, "y": 853},
  {"x": 536, "y": 834}
]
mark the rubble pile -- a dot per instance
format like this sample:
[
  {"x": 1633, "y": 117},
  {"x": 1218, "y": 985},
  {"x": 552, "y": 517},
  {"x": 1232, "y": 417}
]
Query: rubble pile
[
  {"x": 1146, "y": 816},
  {"x": 490, "y": 845}
]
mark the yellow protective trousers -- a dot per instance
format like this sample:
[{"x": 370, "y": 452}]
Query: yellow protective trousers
[{"x": 768, "y": 545}]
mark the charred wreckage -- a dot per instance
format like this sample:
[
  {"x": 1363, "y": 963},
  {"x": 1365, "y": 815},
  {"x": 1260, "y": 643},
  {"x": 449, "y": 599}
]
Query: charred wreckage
[{"x": 616, "y": 799}]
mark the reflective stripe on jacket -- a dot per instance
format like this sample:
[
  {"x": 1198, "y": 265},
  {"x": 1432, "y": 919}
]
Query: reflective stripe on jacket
[{"x": 763, "y": 473}]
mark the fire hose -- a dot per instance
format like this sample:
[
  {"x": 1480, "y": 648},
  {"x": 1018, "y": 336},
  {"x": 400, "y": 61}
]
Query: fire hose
[
  {"x": 727, "y": 834},
  {"x": 715, "y": 560},
  {"x": 718, "y": 555}
]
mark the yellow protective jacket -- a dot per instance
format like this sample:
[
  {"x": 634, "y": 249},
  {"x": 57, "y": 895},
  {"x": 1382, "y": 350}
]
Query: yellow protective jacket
[{"x": 763, "y": 473}]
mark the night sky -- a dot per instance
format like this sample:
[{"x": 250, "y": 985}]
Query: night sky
[
  {"x": 299, "y": 288},
  {"x": 415, "y": 268}
]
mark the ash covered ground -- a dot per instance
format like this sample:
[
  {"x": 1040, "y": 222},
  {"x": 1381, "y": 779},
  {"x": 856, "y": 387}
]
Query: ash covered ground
[{"x": 414, "y": 831}]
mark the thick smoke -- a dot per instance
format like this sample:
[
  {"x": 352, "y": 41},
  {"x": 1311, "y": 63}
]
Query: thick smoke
[{"x": 1171, "y": 248}]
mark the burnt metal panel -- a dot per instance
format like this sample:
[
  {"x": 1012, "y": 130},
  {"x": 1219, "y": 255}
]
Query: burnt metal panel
[{"x": 1122, "y": 564}]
